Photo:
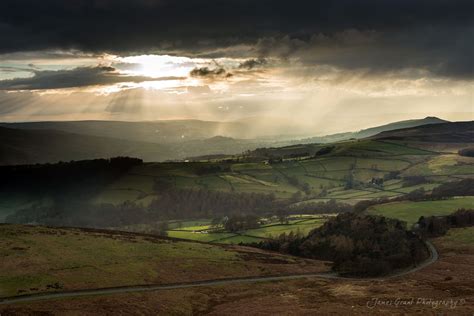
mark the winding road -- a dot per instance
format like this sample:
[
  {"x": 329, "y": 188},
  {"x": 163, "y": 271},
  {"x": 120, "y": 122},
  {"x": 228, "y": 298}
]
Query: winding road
[{"x": 144, "y": 288}]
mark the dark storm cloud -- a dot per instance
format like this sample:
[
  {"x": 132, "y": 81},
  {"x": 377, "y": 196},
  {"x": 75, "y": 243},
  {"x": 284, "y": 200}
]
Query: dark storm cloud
[
  {"x": 440, "y": 30},
  {"x": 252, "y": 63},
  {"x": 207, "y": 72},
  {"x": 77, "y": 77}
]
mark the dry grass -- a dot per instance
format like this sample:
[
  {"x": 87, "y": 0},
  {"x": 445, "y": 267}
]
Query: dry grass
[
  {"x": 450, "y": 278},
  {"x": 43, "y": 259}
]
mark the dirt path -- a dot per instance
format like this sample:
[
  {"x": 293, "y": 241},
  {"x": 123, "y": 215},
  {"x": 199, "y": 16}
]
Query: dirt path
[{"x": 143, "y": 288}]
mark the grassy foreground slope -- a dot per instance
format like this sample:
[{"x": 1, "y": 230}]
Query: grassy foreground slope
[
  {"x": 410, "y": 211},
  {"x": 460, "y": 237},
  {"x": 37, "y": 259},
  {"x": 445, "y": 286}
]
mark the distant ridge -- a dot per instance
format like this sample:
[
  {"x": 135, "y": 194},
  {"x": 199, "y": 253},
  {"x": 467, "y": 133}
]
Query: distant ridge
[
  {"x": 399, "y": 125},
  {"x": 43, "y": 146},
  {"x": 29, "y": 146},
  {"x": 451, "y": 132},
  {"x": 364, "y": 133},
  {"x": 161, "y": 132},
  {"x": 23, "y": 144},
  {"x": 181, "y": 131}
]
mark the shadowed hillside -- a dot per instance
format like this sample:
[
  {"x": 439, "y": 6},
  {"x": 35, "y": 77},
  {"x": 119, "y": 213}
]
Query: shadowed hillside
[
  {"x": 374, "y": 130},
  {"x": 456, "y": 132},
  {"x": 41, "y": 146}
]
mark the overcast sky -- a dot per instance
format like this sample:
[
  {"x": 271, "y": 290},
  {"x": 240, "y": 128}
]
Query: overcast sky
[{"x": 325, "y": 65}]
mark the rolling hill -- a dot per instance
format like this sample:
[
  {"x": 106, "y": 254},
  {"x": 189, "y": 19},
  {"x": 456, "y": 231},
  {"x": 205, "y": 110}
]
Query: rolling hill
[
  {"x": 456, "y": 132},
  {"x": 27, "y": 146},
  {"x": 42, "y": 146},
  {"x": 374, "y": 130},
  {"x": 347, "y": 172},
  {"x": 423, "y": 135},
  {"x": 183, "y": 131},
  {"x": 172, "y": 131},
  {"x": 65, "y": 259}
]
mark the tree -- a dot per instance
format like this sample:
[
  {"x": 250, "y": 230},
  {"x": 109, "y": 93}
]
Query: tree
[
  {"x": 296, "y": 196},
  {"x": 282, "y": 216},
  {"x": 216, "y": 221},
  {"x": 241, "y": 222},
  {"x": 163, "y": 229},
  {"x": 306, "y": 188}
]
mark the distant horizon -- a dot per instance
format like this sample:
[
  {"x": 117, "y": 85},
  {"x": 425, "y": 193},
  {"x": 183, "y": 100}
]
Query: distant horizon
[{"x": 243, "y": 121}]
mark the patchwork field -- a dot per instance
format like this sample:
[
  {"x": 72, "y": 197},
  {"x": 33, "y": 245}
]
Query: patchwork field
[
  {"x": 53, "y": 259},
  {"x": 410, "y": 212},
  {"x": 345, "y": 174},
  {"x": 200, "y": 231},
  {"x": 362, "y": 160}
]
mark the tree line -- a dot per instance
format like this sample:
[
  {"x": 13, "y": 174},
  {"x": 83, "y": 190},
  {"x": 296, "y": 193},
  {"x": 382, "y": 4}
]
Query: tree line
[
  {"x": 170, "y": 204},
  {"x": 435, "y": 226}
]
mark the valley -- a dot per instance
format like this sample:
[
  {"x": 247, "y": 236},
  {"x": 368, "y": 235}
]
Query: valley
[
  {"x": 228, "y": 229},
  {"x": 247, "y": 158}
]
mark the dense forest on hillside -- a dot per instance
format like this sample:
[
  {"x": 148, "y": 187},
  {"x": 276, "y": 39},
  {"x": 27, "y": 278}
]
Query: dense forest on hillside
[{"x": 358, "y": 245}]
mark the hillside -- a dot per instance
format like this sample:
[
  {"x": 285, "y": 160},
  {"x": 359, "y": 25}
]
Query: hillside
[
  {"x": 42, "y": 146},
  {"x": 183, "y": 131},
  {"x": 399, "y": 125},
  {"x": 456, "y": 132},
  {"x": 40, "y": 142},
  {"x": 65, "y": 259},
  {"x": 172, "y": 131},
  {"x": 26, "y": 146},
  {"x": 374, "y": 130},
  {"x": 296, "y": 176},
  {"x": 99, "y": 263},
  {"x": 419, "y": 137}
]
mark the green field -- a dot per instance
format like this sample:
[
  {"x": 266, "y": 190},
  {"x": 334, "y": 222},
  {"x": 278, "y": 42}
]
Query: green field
[
  {"x": 207, "y": 237},
  {"x": 273, "y": 231},
  {"x": 193, "y": 230},
  {"x": 41, "y": 259},
  {"x": 410, "y": 212},
  {"x": 187, "y": 224}
]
